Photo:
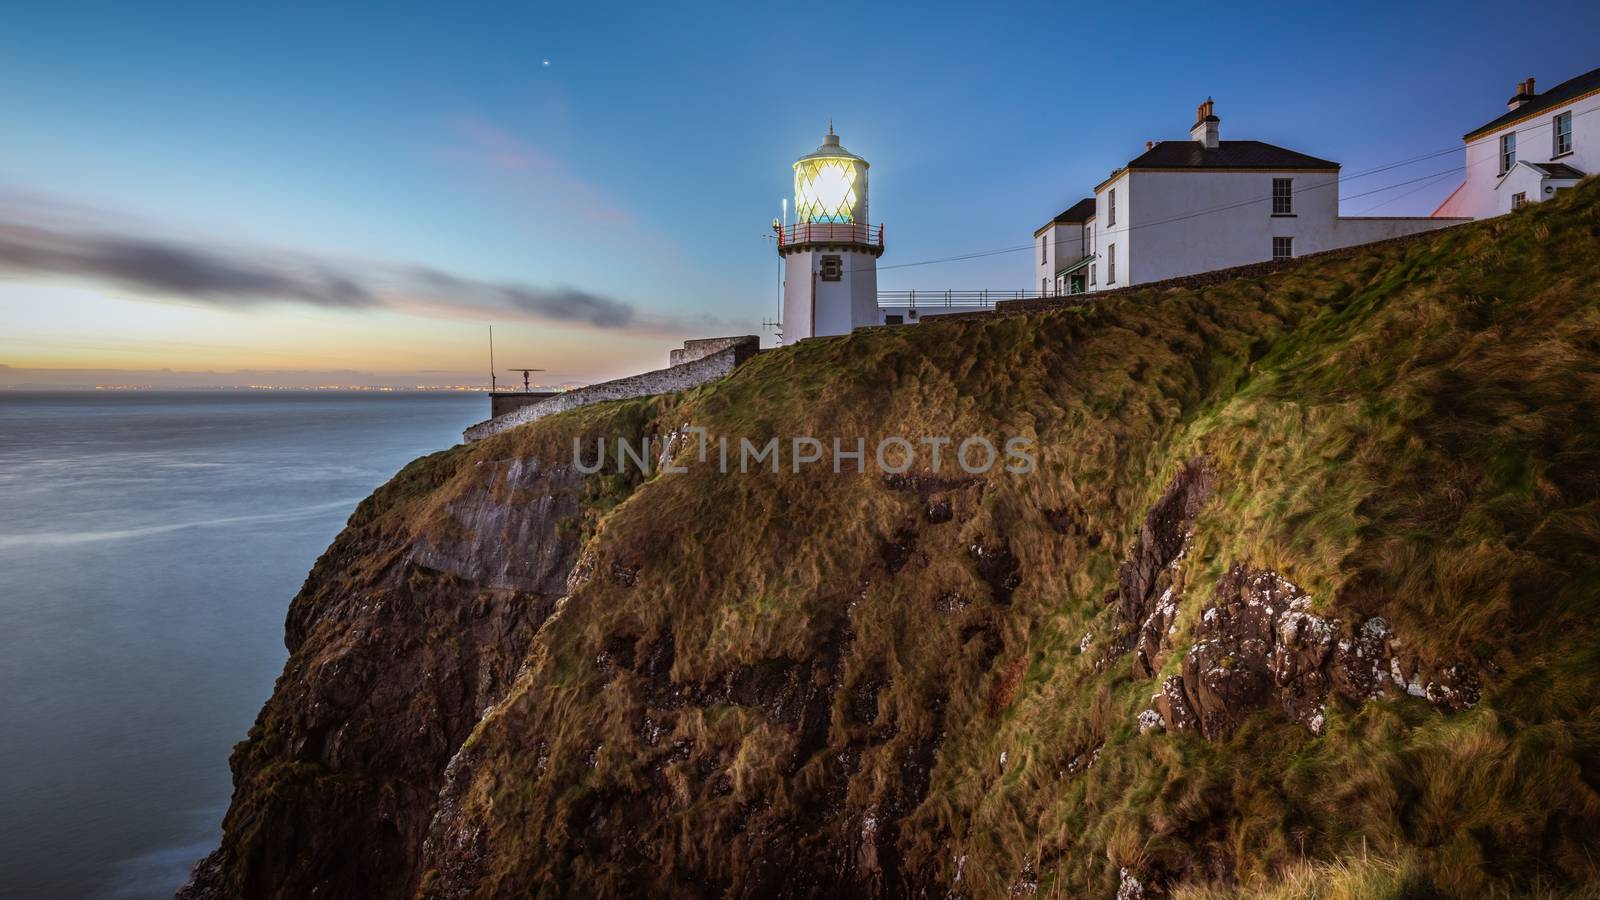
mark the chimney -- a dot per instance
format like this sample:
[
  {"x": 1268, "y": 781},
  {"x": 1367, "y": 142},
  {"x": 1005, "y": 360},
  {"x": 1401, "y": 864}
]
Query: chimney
[
  {"x": 1149, "y": 145},
  {"x": 1204, "y": 130},
  {"x": 1523, "y": 96}
]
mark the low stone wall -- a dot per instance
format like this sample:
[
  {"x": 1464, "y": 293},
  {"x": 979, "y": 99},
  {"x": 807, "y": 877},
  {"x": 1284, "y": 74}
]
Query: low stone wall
[
  {"x": 662, "y": 381},
  {"x": 502, "y": 402},
  {"x": 1214, "y": 276},
  {"x": 700, "y": 348}
]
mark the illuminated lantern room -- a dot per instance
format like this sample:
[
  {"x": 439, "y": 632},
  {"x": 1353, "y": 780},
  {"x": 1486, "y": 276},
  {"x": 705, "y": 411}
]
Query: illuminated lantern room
[
  {"x": 830, "y": 185},
  {"x": 830, "y": 251}
]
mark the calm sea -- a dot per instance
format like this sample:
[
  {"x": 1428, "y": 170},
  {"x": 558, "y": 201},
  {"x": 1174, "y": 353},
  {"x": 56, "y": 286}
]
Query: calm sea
[{"x": 150, "y": 543}]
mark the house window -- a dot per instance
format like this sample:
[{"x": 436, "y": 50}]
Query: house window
[
  {"x": 1283, "y": 196},
  {"x": 1283, "y": 248},
  {"x": 1111, "y": 211},
  {"x": 1044, "y": 286},
  {"x": 894, "y": 320},
  {"x": 1111, "y": 264},
  {"x": 1519, "y": 200},
  {"x": 832, "y": 268},
  {"x": 1508, "y": 152},
  {"x": 1042, "y": 258},
  {"x": 1563, "y": 130},
  {"x": 1094, "y": 274}
]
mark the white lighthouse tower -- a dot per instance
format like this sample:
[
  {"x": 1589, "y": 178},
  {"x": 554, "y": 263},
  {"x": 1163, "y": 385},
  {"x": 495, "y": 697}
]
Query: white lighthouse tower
[{"x": 830, "y": 253}]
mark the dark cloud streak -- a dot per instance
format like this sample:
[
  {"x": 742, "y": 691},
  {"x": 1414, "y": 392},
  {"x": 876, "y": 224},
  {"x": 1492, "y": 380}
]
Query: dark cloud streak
[
  {"x": 238, "y": 278},
  {"x": 561, "y": 304},
  {"x": 173, "y": 269}
]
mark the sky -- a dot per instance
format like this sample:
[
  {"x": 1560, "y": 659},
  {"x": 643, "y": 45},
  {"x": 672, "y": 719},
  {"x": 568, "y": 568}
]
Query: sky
[{"x": 302, "y": 194}]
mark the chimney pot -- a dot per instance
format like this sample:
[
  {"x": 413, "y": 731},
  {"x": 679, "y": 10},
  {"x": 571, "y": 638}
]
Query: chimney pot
[
  {"x": 1149, "y": 145},
  {"x": 1523, "y": 96},
  {"x": 1204, "y": 130}
]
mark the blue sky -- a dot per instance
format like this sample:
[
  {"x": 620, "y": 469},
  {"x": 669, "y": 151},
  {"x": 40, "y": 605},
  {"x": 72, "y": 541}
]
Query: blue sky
[{"x": 642, "y": 164}]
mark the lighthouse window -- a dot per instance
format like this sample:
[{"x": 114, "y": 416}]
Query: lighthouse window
[
  {"x": 832, "y": 268},
  {"x": 825, "y": 191}
]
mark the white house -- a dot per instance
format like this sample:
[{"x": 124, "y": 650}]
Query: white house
[
  {"x": 1064, "y": 250},
  {"x": 1543, "y": 143},
  {"x": 1184, "y": 207}
]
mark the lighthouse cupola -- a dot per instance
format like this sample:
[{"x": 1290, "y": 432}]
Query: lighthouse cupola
[{"x": 831, "y": 250}]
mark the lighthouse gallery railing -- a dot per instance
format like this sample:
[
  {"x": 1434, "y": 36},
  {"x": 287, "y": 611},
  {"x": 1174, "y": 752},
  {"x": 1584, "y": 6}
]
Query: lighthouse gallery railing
[{"x": 830, "y": 233}]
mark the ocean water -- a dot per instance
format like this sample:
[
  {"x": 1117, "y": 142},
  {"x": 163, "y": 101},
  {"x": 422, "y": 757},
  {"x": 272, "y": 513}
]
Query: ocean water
[{"x": 150, "y": 543}]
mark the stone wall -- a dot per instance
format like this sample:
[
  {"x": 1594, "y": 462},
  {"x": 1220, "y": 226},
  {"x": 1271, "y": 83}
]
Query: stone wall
[
  {"x": 681, "y": 377},
  {"x": 502, "y": 402},
  {"x": 700, "y": 348}
]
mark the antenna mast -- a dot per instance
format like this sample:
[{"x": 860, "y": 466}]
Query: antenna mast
[
  {"x": 525, "y": 373},
  {"x": 492, "y": 382}
]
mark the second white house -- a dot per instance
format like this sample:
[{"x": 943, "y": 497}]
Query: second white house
[
  {"x": 1544, "y": 143},
  {"x": 1184, "y": 207}
]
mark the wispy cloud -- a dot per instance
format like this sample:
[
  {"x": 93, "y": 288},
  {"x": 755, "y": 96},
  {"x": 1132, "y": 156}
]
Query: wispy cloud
[
  {"x": 516, "y": 165},
  {"x": 235, "y": 276}
]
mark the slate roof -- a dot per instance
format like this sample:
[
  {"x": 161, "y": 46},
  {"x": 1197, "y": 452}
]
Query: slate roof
[
  {"x": 1557, "y": 170},
  {"x": 1226, "y": 155},
  {"x": 1560, "y": 95},
  {"x": 1077, "y": 212}
]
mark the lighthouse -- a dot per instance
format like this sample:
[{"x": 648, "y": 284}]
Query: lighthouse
[{"x": 830, "y": 252}]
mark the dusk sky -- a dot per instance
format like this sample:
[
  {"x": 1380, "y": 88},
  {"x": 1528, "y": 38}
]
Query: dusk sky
[{"x": 303, "y": 195}]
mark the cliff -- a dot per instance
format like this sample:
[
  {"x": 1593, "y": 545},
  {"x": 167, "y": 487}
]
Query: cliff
[{"x": 1303, "y": 591}]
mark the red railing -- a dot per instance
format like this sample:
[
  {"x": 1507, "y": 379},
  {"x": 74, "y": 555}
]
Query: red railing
[{"x": 830, "y": 233}]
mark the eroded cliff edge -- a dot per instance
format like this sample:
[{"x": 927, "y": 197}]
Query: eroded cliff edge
[{"x": 1306, "y": 577}]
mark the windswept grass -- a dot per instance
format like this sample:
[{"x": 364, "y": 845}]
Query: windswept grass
[
  {"x": 1409, "y": 432},
  {"x": 805, "y": 682}
]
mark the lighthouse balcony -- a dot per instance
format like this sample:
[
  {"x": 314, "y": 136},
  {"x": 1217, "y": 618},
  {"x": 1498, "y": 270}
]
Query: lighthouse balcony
[{"x": 830, "y": 234}]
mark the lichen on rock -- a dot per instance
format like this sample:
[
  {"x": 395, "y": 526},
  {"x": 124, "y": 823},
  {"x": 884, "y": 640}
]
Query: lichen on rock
[{"x": 1259, "y": 644}]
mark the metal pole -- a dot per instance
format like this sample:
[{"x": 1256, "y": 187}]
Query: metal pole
[{"x": 492, "y": 382}]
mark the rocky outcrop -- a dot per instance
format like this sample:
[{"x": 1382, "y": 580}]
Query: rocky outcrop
[
  {"x": 1259, "y": 644},
  {"x": 409, "y": 627}
]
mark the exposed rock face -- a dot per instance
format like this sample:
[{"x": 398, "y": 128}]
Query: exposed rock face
[
  {"x": 1161, "y": 537},
  {"x": 404, "y": 633},
  {"x": 1259, "y": 644},
  {"x": 1145, "y": 596}
]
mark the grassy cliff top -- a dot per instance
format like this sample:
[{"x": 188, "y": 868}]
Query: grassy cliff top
[{"x": 809, "y": 683}]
